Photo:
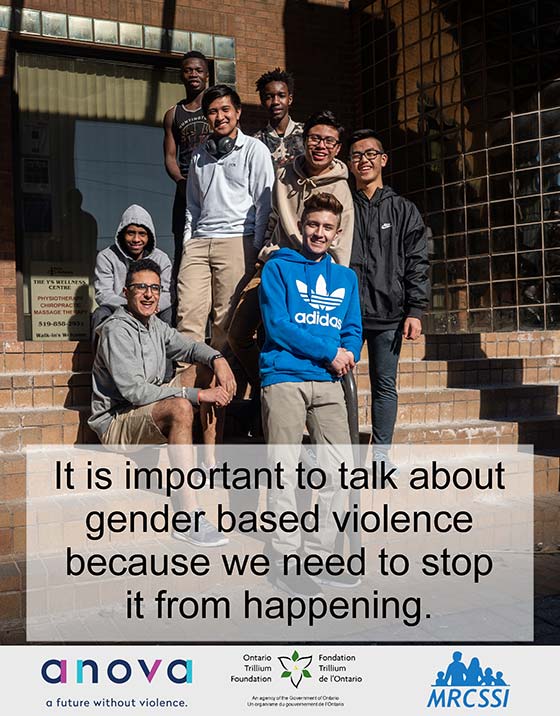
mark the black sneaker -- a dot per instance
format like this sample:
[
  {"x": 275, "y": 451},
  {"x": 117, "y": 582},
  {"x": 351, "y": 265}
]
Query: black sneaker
[
  {"x": 205, "y": 536},
  {"x": 340, "y": 581},
  {"x": 299, "y": 585}
]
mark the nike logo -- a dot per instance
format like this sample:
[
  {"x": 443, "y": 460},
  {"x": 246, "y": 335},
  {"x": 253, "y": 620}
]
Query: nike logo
[{"x": 385, "y": 226}]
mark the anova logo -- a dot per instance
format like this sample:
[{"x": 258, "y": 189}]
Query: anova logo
[
  {"x": 471, "y": 686},
  {"x": 118, "y": 671}
]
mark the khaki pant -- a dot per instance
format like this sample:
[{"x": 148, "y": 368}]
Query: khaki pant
[
  {"x": 212, "y": 275},
  {"x": 243, "y": 329},
  {"x": 287, "y": 408}
]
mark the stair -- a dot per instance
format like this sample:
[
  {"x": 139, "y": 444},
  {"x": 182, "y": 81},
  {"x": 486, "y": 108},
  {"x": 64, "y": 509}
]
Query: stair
[{"x": 493, "y": 388}]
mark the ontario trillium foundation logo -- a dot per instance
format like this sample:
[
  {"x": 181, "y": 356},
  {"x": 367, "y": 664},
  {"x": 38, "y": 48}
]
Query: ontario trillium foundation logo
[
  {"x": 295, "y": 667},
  {"x": 469, "y": 685}
]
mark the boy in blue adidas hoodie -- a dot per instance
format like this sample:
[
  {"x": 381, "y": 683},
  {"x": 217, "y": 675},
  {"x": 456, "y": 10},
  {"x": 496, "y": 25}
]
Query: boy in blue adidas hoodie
[{"x": 312, "y": 318}]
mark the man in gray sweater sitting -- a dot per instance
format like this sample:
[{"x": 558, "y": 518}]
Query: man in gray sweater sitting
[{"x": 131, "y": 403}]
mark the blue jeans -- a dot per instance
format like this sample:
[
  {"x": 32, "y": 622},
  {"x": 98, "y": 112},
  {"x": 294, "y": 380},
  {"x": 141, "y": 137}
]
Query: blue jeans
[{"x": 384, "y": 348}]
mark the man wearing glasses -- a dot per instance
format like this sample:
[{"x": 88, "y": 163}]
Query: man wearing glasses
[
  {"x": 317, "y": 170},
  {"x": 390, "y": 257},
  {"x": 131, "y": 403}
]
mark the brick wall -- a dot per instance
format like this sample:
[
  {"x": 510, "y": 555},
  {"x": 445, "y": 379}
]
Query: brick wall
[{"x": 296, "y": 34}]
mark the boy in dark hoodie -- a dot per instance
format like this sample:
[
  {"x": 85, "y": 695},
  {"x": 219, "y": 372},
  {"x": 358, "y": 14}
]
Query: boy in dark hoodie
[
  {"x": 311, "y": 315},
  {"x": 390, "y": 258},
  {"x": 135, "y": 239}
]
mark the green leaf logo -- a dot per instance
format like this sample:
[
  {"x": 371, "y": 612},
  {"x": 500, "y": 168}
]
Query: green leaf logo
[{"x": 295, "y": 667}]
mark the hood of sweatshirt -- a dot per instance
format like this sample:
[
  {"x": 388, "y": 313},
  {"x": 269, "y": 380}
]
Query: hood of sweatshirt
[
  {"x": 336, "y": 172},
  {"x": 136, "y": 215}
]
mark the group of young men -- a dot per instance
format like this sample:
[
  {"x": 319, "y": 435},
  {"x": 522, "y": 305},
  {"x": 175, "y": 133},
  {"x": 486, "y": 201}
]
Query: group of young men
[{"x": 268, "y": 235}]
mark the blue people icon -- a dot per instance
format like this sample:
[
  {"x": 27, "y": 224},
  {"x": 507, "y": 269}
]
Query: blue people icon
[
  {"x": 456, "y": 671},
  {"x": 499, "y": 679},
  {"x": 440, "y": 681},
  {"x": 474, "y": 675},
  {"x": 488, "y": 677}
]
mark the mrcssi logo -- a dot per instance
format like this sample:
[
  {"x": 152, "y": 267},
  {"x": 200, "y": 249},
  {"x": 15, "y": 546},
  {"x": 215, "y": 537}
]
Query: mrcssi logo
[{"x": 468, "y": 684}]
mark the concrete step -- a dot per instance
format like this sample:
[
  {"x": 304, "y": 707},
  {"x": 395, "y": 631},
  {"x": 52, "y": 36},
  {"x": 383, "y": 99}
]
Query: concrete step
[
  {"x": 496, "y": 402},
  {"x": 43, "y": 426},
  {"x": 474, "y": 373},
  {"x": 542, "y": 431}
]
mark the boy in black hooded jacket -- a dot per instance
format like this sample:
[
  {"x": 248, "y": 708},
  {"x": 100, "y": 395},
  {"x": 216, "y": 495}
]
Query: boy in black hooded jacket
[{"x": 390, "y": 257}]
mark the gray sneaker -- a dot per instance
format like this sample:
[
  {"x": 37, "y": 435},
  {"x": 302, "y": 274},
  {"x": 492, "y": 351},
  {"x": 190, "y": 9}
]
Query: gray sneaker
[
  {"x": 300, "y": 585},
  {"x": 339, "y": 581},
  {"x": 205, "y": 536},
  {"x": 381, "y": 457}
]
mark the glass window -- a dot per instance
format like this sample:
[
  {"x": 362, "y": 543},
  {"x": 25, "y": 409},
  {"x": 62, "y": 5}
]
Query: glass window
[
  {"x": 504, "y": 293},
  {"x": 475, "y": 165},
  {"x": 553, "y": 290},
  {"x": 527, "y": 182},
  {"x": 505, "y": 319},
  {"x": 528, "y": 210},
  {"x": 551, "y": 235},
  {"x": 503, "y": 266},
  {"x": 551, "y": 179},
  {"x": 497, "y": 24},
  {"x": 531, "y": 319},
  {"x": 499, "y": 160},
  {"x": 529, "y": 237},
  {"x": 552, "y": 317},
  {"x": 527, "y": 155},
  {"x": 526, "y": 127},
  {"x": 439, "y": 274},
  {"x": 456, "y": 272},
  {"x": 550, "y": 122},
  {"x": 477, "y": 217},
  {"x": 478, "y": 243},
  {"x": 434, "y": 199},
  {"x": 551, "y": 151},
  {"x": 525, "y": 100},
  {"x": 525, "y": 72},
  {"x": 552, "y": 262},
  {"x": 454, "y": 195},
  {"x": 501, "y": 213},
  {"x": 479, "y": 269},
  {"x": 479, "y": 296},
  {"x": 550, "y": 95},
  {"x": 549, "y": 64},
  {"x": 501, "y": 186},
  {"x": 498, "y": 105},
  {"x": 503, "y": 240},
  {"x": 530, "y": 291},
  {"x": 498, "y": 77},
  {"x": 456, "y": 246},
  {"x": 499, "y": 132},
  {"x": 436, "y": 249},
  {"x": 551, "y": 207},
  {"x": 454, "y": 221},
  {"x": 480, "y": 321},
  {"x": 524, "y": 43},
  {"x": 523, "y": 17},
  {"x": 529, "y": 264},
  {"x": 476, "y": 190}
]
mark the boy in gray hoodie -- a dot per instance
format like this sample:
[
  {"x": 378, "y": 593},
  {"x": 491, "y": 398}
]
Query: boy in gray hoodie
[{"x": 135, "y": 239}]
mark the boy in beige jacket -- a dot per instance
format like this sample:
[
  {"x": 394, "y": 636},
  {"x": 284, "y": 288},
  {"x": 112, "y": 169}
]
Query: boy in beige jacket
[{"x": 318, "y": 170}]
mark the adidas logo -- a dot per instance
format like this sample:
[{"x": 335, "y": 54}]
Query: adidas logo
[{"x": 320, "y": 297}]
